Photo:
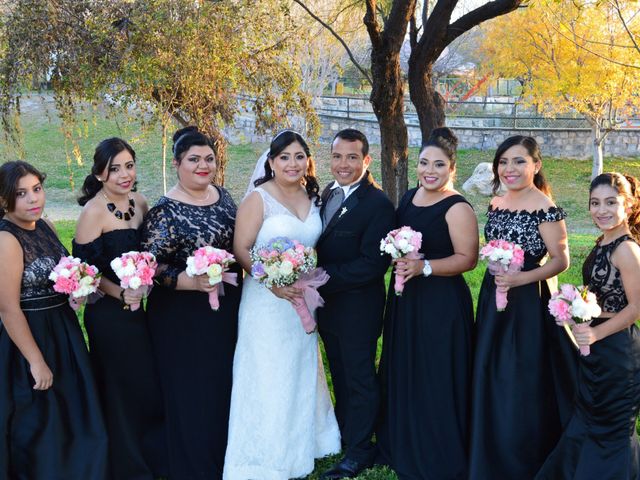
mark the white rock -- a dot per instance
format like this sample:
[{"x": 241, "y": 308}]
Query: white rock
[{"x": 480, "y": 180}]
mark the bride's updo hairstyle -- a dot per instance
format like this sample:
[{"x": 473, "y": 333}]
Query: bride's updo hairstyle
[
  {"x": 281, "y": 141},
  {"x": 10, "y": 175},
  {"x": 534, "y": 151},
  {"x": 187, "y": 137}
]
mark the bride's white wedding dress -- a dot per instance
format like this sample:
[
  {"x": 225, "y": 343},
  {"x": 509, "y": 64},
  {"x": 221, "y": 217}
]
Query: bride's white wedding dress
[{"x": 281, "y": 414}]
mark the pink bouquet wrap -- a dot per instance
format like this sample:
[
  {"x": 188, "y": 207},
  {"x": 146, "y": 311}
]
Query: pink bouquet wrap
[
  {"x": 403, "y": 242},
  {"x": 282, "y": 262},
  {"x": 504, "y": 258},
  {"x": 213, "y": 262},
  {"x": 574, "y": 307},
  {"x": 311, "y": 299},
  {"x": 75, "y": 278},
  {"x": 135, "y": 271}
]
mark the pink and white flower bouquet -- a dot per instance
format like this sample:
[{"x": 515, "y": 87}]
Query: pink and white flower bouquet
[
  {"x": 574, "y": 307},
  {"x": 403, "y": 242},
  {"x": 282, "y": 262},
  {"x": 135, "y": 271},
  {"x": 75, "y": 278},
  {"x": 503, "y": 258},
  {"x": 213, "y": 262}
]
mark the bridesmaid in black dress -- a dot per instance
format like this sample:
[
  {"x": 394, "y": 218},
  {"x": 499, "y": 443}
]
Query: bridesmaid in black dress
[
  {"x": 193, "y": 344},
  {"x": 50, "y": 416},
  {"x": 600, "y": 442},
  {"x": 427, "y": 352},
  {"x": 524, "y": 367},
  {"x": 120, "y": 346}
]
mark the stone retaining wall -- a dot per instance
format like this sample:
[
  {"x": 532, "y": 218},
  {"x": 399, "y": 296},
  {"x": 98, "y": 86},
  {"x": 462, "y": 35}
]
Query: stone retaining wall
[{"x": 555, "y": 143}]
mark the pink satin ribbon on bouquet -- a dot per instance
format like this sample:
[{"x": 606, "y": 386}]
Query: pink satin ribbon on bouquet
[
  {"x": 214, "y": 300},
  {"x": 311, "y": 299}
]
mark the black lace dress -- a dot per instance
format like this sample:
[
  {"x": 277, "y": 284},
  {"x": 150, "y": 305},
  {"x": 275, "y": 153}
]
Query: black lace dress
[
  {"x": 124, "y": 367},
  {"x": 193, "y": 344},
  {"x": 426, "y": 360},
  {"x": 600, "y": 442},
  {"x": 57, "y": 433},
  {"x": 524, "y": 366}
]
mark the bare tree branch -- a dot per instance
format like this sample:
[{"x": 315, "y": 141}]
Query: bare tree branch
[
  {"x": 475, "y": 17},
  {"x": 624, "y": 24},
  {"x": 339, "y": 38}
]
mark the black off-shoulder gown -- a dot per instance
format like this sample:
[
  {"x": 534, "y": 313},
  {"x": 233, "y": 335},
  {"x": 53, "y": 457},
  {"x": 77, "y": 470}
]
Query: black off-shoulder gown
[
  {"x": 124, "y": 367},
  {"x": 193, "y": 344},
  {"x": 524, "y": 365},
  {"x": 59, "y": 433},
  {"x": 427, "y": 360}
]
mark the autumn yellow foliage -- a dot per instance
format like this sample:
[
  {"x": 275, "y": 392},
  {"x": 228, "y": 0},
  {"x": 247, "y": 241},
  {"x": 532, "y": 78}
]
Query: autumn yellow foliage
[{"x": 570, "y": 57}]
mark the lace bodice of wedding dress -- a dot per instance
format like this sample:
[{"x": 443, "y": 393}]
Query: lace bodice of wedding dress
[{"x": 281, "y": 414}]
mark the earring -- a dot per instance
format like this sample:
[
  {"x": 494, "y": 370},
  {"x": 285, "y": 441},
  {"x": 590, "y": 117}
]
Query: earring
[{"x": 99, "y": 179}]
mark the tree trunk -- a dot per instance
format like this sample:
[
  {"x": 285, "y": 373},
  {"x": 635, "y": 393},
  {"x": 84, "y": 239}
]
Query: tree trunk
[
  {"x": 387, "y": 99},
  {"x": 220, "y": 152},
  {"x": 598, "y": 151},
  {"x": 428, "y": 102}
]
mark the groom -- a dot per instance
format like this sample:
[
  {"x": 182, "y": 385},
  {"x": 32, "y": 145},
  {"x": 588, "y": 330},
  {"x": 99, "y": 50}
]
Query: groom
[{"x": 356, "y": 215}]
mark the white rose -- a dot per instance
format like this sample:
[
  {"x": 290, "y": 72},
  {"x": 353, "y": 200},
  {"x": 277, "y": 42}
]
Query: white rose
[
  {"x": 86, "y": 281},
  {"x": 215, "y": 274},
  {"x": 286, "y": 268},
  {"x": 402, "y": 244},
  {"x": 580, "y": 309},
  {"x": 65, "y": 273},
  {"x": 116, "y": 264},
  {"x": 129, "y": 269},
  {"x": 390, "y": 249},
  {"x": 53, "y": 276},
  {"x": 271, "y": 270},
  {"x": 135, "y": 282}
]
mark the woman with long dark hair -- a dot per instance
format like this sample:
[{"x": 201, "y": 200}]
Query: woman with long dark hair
[
  {"x": 524, "y": 364},
  {"x": 120, "y": 346},
  {"x": 600, "y": 441},
  {"x": 193, "y": 344},
  {"x": 50, "y": 416},
  {"x": 281, "y": 413}
]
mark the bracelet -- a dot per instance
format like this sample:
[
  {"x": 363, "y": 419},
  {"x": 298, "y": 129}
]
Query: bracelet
[{"x": 125, "y": 305}]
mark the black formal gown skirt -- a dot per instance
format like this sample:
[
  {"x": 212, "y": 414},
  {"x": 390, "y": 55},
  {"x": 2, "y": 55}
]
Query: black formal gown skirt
[
  {"x": 59, "y": 433},
  {"x": 194, "y": 348},
  {"x": 127, "y": 380},
  {"x": 600, "y": 442},
  {"x": 522, "y": 384},
  {"x": 426, "y": 372}
]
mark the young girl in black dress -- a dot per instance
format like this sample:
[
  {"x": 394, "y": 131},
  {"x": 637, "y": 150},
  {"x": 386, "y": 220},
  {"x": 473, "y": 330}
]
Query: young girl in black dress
[
  {"x": 600, "y": 441},
  {"x": 119, "y": 341},
  {"x": 50, "y": 416},
  {"x": 523, "y": 377}
]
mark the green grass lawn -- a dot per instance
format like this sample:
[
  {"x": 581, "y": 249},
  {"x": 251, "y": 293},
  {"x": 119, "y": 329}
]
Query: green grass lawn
[{"x": 45, "y": 147}]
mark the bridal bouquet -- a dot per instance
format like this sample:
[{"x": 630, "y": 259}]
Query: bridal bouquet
[
  {"x": 575, "y": 307},
  {"x": 504, "y": 258},
  {"x": 213, "y": 262},
  {"x": 75, "y": 278},
  {"x": 282, "y": 262},
  {"x": 401, "y": 242},
  {"x": 135, "y": 271}
]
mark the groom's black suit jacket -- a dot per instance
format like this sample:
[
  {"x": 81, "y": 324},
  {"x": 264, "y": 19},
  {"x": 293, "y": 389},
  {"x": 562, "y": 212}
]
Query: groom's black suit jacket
[
  {"x": 349, "y": 250},
  {"x": 351, "y": 320}
]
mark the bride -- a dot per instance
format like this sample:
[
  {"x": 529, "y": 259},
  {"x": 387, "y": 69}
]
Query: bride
[{"x": 281, "y": 414}]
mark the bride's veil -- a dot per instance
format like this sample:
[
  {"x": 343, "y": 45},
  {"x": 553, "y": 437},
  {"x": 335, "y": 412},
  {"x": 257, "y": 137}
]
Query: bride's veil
[{"x": 258, "y": 172}]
